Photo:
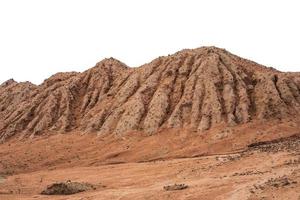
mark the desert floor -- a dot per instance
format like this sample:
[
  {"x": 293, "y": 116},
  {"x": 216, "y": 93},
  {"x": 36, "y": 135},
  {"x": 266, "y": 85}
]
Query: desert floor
[{"x": 134, "y": 170}]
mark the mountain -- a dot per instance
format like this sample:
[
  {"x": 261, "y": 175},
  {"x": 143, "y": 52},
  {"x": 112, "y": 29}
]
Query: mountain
[{"x": 193, "y": 89}]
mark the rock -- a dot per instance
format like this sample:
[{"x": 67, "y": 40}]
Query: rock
[
  {"x": 6, "y": 192},
  {"x": 67, "y": 188},
  {"x": 2, "y": 179},
  {"x": 175, "y": 187}
]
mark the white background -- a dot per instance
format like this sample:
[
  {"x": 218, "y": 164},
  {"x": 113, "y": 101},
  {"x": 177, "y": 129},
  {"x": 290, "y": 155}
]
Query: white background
[{"x": 41, "y": 37}]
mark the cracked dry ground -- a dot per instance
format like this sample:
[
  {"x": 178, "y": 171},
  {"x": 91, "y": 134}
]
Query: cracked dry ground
[{"x": 262, "y": 170}]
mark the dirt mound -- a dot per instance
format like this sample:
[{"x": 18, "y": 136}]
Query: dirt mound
[
  {"x": 67, "y": 188},
  {"x": 195, "y": 89}
]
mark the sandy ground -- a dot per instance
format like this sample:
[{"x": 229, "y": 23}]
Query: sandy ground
[
  {"x": 138, "y": 167},
  {"x": 232, "y": 176}
]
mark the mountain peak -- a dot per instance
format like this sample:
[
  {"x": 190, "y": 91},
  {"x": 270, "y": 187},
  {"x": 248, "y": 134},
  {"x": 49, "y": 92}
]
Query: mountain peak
[
  {"x": 8, "y": 82},
  {"x": 111, "y": 62}
]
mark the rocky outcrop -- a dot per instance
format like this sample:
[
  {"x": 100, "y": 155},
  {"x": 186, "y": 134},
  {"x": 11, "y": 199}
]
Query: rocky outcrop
[{"x": 197, "y": 88}]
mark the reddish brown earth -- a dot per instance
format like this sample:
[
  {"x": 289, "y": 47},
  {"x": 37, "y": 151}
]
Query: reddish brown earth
[{"x": 226, "y": 127}]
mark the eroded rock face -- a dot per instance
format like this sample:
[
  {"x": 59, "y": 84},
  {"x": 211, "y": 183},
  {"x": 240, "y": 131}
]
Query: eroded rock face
[{"x": 196, "y": 88}]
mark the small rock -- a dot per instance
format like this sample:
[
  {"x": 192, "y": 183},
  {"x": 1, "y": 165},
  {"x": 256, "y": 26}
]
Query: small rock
[{"x": 175, "y": 187}]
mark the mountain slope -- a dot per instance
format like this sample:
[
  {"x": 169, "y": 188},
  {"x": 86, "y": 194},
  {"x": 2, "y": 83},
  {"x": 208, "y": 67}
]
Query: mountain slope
[{"x": 195, "y": 89}]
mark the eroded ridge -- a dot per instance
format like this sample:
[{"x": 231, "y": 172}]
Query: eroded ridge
[{"x": 196, "y": 89}]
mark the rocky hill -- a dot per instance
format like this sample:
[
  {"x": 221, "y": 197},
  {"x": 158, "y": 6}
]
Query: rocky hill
[{"x": 195, "y": 89}]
